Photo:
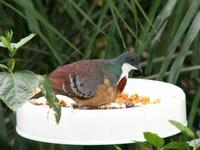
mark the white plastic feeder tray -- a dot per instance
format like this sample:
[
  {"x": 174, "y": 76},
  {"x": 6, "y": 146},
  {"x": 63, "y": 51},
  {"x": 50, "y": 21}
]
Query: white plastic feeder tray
[{"x": 110, "y": 126}]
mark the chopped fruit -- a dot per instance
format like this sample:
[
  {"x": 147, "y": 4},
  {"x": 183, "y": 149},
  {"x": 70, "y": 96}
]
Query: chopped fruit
[
  {"x": 122, "y": 98},
  {"x": 145, "y": 100},
  {"x": 156, "y": 101},
  {"x": 63, "y": 103},
  {"x": 135, "y": 98}
]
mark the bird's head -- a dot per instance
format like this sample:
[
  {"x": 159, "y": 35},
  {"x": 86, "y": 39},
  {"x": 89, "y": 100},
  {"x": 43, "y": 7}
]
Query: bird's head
[{"x": 129, "y": 62}]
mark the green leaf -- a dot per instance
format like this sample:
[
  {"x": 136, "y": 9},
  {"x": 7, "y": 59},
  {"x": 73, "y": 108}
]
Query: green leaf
[
  {"x": 49, "y": 94},
  {"x": 198, "y": 133},
  {"x": 72, "y": 14},
  {"x": 118, "y": 148},
  {"x": 185, "y": 130},
  {"x": 111, "y": 6},
  {"x": 23, "y": 41},
  {"x": 189, "y": 38},
  {"x": 176, "y": 146},
  {"x": 3, "y": 66},
  {"x": 194, "y": 143},
  {"x": 44, "y": 23},
  {"x": 154, "y": 139},
  {"x": 131, "y": 5},
  {"x": 144, "y": 145},
  {"x": 144, "y": 14},
  {"x": 5, "y": 42},
  {"x": 194, "y": 108},
  {"x": 85, "y": 15},
  {"x": 91, "y": 41},
  {"x": 16, "y": 88},
  {"x": 122, "y": 19},
  {"x": 9, "y": 35},
  {"x": 160, "y": 20},
  {"x": 191, "y": 12}
]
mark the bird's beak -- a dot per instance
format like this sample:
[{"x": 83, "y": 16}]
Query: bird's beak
[{"x": 139, "y": 68}]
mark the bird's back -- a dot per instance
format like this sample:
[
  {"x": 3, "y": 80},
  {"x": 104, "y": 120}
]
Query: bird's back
[{"x": 83, "y": 76}]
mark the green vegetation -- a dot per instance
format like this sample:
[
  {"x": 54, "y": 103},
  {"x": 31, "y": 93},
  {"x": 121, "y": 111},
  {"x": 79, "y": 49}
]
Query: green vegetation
[
  {"x": 17, "y": 87},
  {"x": 164, "y": 34}
]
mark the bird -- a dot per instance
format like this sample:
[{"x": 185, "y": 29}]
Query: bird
[{"x": 95, "y": 82}]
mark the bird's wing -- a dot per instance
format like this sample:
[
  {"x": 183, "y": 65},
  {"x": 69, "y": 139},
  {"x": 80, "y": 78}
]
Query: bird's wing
[
  {"x": 79, "y": 79},
  {"x": 84, "y": 86}
]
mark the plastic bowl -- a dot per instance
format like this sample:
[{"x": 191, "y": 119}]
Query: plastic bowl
[{"x": 110, "y": 126}]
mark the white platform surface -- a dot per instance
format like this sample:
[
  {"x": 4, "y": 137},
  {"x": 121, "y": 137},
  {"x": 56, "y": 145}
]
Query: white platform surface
[{"x": 112, "y": 126}]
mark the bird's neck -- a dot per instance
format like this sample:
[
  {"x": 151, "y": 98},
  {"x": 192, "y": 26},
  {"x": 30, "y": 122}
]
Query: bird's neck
[
  {"x": 118, "y": 70},
  {"x": 126, "y": 68},
  {"x": 115, "y": 70}
]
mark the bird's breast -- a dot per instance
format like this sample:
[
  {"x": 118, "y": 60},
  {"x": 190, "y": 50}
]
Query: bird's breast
[{"x": 121, "y": 84}]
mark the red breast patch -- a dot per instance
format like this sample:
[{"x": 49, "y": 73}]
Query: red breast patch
[{"x": 121, "y": 84}]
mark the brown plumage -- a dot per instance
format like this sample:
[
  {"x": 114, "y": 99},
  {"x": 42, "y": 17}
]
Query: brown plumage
[
  {"x": 90, "y": 70},
  {"x": 93, "y": 82}
]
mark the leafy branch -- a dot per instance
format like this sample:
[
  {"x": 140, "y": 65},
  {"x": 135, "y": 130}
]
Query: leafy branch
[
  {"x": 154, "y": 140},
  {"x": 17, "y": 87},
  {"x": 12, "y": 48}
]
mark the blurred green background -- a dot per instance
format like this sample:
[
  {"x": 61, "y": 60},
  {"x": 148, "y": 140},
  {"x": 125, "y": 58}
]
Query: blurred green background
[{"x": 163, "y": 33}]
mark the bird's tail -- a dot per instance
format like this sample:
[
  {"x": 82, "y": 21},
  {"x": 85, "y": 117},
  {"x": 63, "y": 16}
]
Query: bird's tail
[{"x": 36, "y": 96}]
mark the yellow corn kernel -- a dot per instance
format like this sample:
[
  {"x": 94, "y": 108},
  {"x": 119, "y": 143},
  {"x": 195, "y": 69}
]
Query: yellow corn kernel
[
  {"x": 145, "y": 100},
  {"x": 157, "y": 101},
  {"x": 135, "y": 98}
]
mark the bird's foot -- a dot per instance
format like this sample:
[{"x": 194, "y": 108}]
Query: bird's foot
[{"x": 129, "y": 105}]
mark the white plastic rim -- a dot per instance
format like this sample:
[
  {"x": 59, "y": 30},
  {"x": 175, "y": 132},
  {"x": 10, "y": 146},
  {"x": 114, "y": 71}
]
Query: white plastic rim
[{"x": 112, "y": 126}]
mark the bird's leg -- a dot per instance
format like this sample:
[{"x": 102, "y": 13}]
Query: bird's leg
[{"x": 129, "y": 104}]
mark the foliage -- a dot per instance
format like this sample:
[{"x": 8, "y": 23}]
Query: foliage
[
  {"x": 154, "y": 139},
  {"x": 47, "y": 91},
  {"x": 165, "y": 34},
  {"x": 158, "y": 142},
  {"x": 183, "y": 129},
  {"x": 17, "y": 87}
]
